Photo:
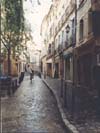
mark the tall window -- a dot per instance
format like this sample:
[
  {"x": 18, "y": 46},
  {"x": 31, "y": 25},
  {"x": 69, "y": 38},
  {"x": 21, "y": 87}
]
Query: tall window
[
  {"x": 49, "y": 49},
  {"x": 59, "y": 40},
  {"x": 81, "y": 29},
  {"x": 69, "y": 69},
  {"x": 55, "y": 44},
  {"x": 62, "y": 37},
  {"x": 73, "y": 31},
  {"x": 73, "y": 26}
]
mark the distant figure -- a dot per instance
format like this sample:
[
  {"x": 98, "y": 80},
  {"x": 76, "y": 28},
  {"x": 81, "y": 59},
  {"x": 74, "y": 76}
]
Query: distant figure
[
  {"x": 21, "y": 77},
  {"x": 31, "y": 72}
]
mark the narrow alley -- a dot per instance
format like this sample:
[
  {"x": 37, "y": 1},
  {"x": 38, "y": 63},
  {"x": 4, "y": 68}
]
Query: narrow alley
[{"x": 32, "y": 109}]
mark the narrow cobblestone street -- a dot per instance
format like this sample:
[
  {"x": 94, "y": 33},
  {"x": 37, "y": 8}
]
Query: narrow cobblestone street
[{"x": 31, "y": 109}]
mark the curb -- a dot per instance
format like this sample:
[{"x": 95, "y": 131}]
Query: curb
[{"x": 68, "y": 125}]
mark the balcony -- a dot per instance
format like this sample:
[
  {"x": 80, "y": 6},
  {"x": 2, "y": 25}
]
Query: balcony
[
  {"x": 60, "y": 48},
  {"x": 70, "y": 42},
  {"x": 50, "y": 53},
  {"x": 66, "y": 44},
  {"x": 49, "y": 56}
]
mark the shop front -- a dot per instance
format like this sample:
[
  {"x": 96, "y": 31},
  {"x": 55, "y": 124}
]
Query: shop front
[
  {"x": 56, "y": 67},
  {"x": 85, "y": 88},
  {"x": 49, "y": 67}
]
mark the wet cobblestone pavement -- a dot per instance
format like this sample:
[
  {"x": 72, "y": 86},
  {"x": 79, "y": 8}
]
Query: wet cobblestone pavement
[
  {"x": 88, "y": 122},
  {"x": 32, "y": 109}
]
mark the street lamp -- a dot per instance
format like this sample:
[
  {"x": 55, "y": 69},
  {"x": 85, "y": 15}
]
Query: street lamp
[{"x": 67, "y": 31}]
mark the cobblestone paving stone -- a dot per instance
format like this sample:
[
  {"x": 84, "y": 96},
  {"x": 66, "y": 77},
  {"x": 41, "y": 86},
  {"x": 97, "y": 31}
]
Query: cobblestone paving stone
[
  {"x": 91, "y": 123},
  {"x": 32, "y": 109}
]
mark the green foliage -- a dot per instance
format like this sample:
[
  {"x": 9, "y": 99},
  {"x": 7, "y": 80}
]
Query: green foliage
[
  {"x": 14, "y": 16},
  {"x": 4, "y": 51},
  {"x": 13, "y": 24},
  {"x": 13, "y": 34}
]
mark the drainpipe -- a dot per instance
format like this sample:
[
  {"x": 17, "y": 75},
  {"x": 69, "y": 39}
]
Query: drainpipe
[
  {"x": 74, "y": 62},
  {"x": 74, "y": 59}
]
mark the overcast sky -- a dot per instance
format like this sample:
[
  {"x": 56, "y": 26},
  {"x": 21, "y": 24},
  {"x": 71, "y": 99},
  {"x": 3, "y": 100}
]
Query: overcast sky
[{"x": 34, "y": 13}]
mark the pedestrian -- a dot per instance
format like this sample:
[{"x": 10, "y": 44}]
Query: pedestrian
[
  {"x": 31, "y": 72},
  {"x": 21, "y": 77}
]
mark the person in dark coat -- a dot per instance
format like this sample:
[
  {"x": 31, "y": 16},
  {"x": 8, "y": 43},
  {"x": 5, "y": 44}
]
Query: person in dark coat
[
  {"x": 31, "y": 72},
  {"x": 31, "y": 75},
  {"x": 21, "y": 77}
]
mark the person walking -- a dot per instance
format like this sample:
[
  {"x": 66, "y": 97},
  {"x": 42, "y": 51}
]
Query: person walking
[{"x": 31, "y": 72}]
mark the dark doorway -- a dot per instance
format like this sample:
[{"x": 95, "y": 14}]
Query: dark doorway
[
  {"x": 56, "y": 70},
  {"x": 84, "y": 69}
]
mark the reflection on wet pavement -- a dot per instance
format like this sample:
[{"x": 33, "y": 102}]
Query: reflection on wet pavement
[{"x": 31, "y": 109}]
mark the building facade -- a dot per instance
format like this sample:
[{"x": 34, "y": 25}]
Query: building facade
[
  {"x": 88, "y": 40},
  {"x": 44, "y": 45},
  {"x": 76, "y": 40}
]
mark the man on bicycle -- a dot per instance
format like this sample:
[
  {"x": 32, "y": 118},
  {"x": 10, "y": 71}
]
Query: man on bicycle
[{"x": 31, "y": 72}]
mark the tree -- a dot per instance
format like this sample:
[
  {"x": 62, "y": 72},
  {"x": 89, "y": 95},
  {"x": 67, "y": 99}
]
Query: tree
[{"x": 13, "y": 28}]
